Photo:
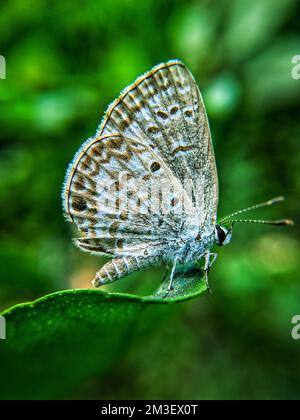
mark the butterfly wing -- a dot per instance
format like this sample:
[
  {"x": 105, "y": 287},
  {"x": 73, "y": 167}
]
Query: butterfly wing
[
  {"x": 156, "y": 132},
  {"x": 164, "y": 109},
  {"x": 114, "y": 192}
]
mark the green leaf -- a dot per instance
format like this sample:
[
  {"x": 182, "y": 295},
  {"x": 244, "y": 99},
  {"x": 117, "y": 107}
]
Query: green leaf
[{"x": 56, "y": 343}]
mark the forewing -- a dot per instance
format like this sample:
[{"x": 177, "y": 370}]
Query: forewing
[{"x": 164, "y": 109}]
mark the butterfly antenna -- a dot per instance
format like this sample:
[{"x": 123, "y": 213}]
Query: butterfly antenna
[
  {"x": 283, "y": 222},
  {"x": 256, "y": 206}
]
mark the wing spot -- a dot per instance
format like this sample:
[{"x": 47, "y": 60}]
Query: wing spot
[
  {"x": 124, "y": 124},
  {"x": 79, "y": 204},
  {"x": 120, "y": 244},
  {"x": 79, "y": 183},
  {"x": 181, "y": 149},
  {"x": 115, "y": 144},
  {"x": 124, "y": 215},
  {"x": 188, "y": 113},
  {"x": 174, "y": 201},
  {"x": 155, "y": 166},
  {"x": 163, "y": 87},
  {"x": 153, "y": 130},
  {"x": 114, "y": 228},
  {"x": 88, "y": 160},
  {"x": 174, "y": 110},
  {"x": 130, "y": 194},
  {"x": 163, "y": 115}
]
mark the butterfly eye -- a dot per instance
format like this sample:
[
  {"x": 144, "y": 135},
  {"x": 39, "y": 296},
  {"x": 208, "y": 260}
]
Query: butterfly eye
[
  {"x": 198, "y": 237},
  {"x": 220, "y": 235}
]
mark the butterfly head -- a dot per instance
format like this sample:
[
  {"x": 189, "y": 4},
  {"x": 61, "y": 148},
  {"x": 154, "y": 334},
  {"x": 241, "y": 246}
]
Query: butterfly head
[{"x": 222, "y": 235}]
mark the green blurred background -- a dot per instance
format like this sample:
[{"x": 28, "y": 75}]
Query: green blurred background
[{"x": 66, "y": 61}]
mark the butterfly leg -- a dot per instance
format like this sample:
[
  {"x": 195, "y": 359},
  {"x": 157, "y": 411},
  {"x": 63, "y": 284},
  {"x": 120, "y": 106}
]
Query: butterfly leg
[
  {"x": 170, "y": 285},
  {"x": 207, "y": 266}
]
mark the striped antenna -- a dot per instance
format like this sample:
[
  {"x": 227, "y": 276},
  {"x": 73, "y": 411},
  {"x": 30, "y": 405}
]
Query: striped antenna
[
  {"x": 256, "y": 206},
  {"x": 283, "y": 222}
]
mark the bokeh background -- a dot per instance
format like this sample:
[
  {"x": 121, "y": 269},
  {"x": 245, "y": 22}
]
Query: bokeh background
[{"x": 66, "y": 61}]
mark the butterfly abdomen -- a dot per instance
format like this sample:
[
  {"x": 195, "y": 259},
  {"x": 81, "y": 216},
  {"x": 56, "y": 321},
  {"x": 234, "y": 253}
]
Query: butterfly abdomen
[{"x": 119, "y": 267}]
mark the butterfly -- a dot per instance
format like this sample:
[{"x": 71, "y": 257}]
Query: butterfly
[{"x": 144, "y": 190}]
